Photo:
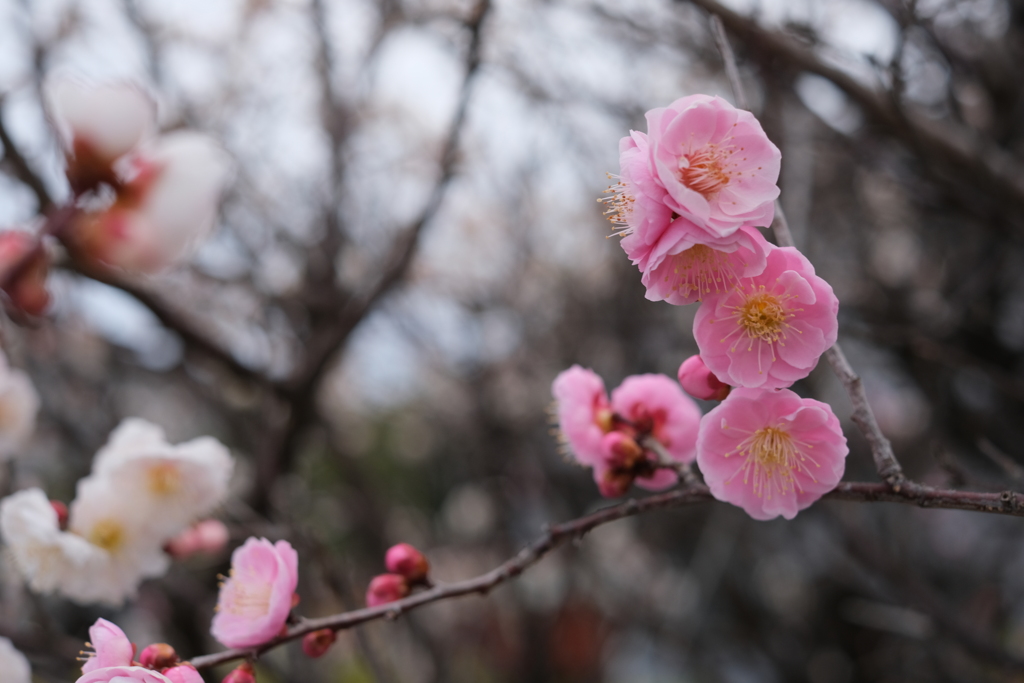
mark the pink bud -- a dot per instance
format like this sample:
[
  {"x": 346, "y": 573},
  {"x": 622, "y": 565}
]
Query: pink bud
[
  {"x": 317, "y": 643},
  {"x": 23, "y": 268},
  {"x": 386, "y": 588},
  {"x": 406, "y": 560},
  {"x": 208, "y": 536},
  {"x": 621, "y": 451},
  {"x": 700, "y": 382},
  {"x": 614, "y": 483},
  {"x": 243, "y": 673},
  {"x": 62, "y": 513},
  {"x": 186, "y": 673},
  {"x": 158, "y": 656}
]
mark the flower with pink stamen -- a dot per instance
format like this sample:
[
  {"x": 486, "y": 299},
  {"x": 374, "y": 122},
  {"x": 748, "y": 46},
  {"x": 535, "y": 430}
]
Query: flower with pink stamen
[
  {"x": 584, "y": 414},
  {"x": 655, "y": 408},
  {"x": 770, "y": 331},
  {"x": 256, "y": 598},
  {"x": 110, "y": 645},
  {"x": 771, "y": 452},
  {"x": 715, "y": 162},
  {"x": 687, "y": 263}
]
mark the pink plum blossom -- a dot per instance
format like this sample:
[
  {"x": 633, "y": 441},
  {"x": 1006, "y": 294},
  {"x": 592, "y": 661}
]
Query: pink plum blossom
[
  {"x": 771, "y": 452},
  {"x": 123, "y": 674},
  {"x": 256, "y": 598},
  {"x": 636, "y": 203},
  {"x": 770, "y": 331},
  {"x": 584, "y": 414},
  {"x": 716, "y": 164},
  {"x": 656, "y": 407},
  {"x": 686, "y": 263},
  {"x": 110, "y": 645},
  {"x": 700, "y": 382}
]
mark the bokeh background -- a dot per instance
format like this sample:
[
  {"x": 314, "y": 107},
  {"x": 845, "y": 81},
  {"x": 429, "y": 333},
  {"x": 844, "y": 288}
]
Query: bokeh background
[{"x": 411, "y": 250}]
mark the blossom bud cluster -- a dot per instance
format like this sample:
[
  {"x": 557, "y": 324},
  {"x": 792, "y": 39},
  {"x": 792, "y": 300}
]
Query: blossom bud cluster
[
  {"x": 140, "y": 201},
  {"x": 690, "y": 196},
  {"x": 142, "y": 493},
  {"x": 407, "y": 569},
  {"x": 111, "y": 659},
  {"x": 648, "y": 426}
]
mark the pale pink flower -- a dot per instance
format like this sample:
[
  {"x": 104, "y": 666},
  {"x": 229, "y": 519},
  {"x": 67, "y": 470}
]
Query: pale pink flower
[
  {"x": 166, "y": 205},
  {"x": 715, "y": 162},
  {"x": 770, "y": 331},
  {"x": 687, "y": 263},
  {"x": 636, "y": 203},
  {"x": 700, "y": 382},
  {"x": 256, "y": 598},
  {"x": 584, "y": 414},
  {"x": 124, "y": 674},
  {"x": 771, "y": 452},
  {"x": 110, "y": 647},
  {"x": 655, "y": 407}
]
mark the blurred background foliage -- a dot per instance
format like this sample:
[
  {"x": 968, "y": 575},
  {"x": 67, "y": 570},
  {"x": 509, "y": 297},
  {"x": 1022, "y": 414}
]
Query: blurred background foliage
[{"x": 374, "y": 394}]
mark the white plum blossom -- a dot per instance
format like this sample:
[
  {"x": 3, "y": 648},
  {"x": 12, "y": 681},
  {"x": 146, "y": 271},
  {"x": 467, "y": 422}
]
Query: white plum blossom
[
  {"x": 165, "y": 206},
  {"x": 46, "y": 556},
  {"x": 107, "y": 120},
  {"x": 169, "y": 486},
  {"x": 13, "y": 664},
  {"x": 19, "y": 404}
]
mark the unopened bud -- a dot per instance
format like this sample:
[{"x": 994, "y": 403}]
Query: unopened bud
[
  {"x": 386, "y": 588},
  {"x": 700, "y": 382},
  {"x": 158, "y": 656},
  {"x": 186, "y": 673},
  {"x": 62, "y": 513},
  {"x": 406, "y": 560},
  {"x": 317, "y": 643},
  {"x": 208, "y": 536},
  {"x": 243, "y": 673},
  {"x": 23, "y": 267},
  {"x": 614, "y": 483},
  {"x": 620, "y": 451}
]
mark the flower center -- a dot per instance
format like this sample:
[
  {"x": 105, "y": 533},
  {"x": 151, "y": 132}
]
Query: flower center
[
  {"x": 771, "y": 456},
  {"x": 107, "y": 534},
  {"x": 248, "y": 598},
  {"x": 763, "y": 316},
  {"x": 701, "y": 269},
  {"x": 163, "y": 479},
  {"x": 707, "y": 170}
]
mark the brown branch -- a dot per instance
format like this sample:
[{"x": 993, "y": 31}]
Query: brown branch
[
  {"x": 982, "y": 163},
  {"x": 886, "y": 464},
  {"x": 1004, "y": 503}
]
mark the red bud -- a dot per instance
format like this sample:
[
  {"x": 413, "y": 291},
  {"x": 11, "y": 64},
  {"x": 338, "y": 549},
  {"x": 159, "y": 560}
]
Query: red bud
[
  {"x": 405, "y": 560},
  {"x": 243, "y": 673},
  {"x": 386, "y": 588},
  {"x": 158, "y": 656},
  {"x": 317, "y": 643}
]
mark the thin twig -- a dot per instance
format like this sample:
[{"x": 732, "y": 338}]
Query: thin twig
[
  {"x": 1004, "y": 503},
  {"x": 886, "y": 464}
]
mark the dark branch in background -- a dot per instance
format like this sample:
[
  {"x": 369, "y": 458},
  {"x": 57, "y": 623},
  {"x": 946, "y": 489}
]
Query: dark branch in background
[
  {"x": 1004, "y": 503},
  {"x": 981, "y": 162},
  {"x": 22, "y": 170},
  {"x": 326, "y": 344},
  {"x": 881, "y": 450}
]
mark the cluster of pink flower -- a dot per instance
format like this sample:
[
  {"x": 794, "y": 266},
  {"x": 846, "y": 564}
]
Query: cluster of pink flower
[
  {"x": 139, "y": 201},
  {"x": 689, "y": 199}
]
